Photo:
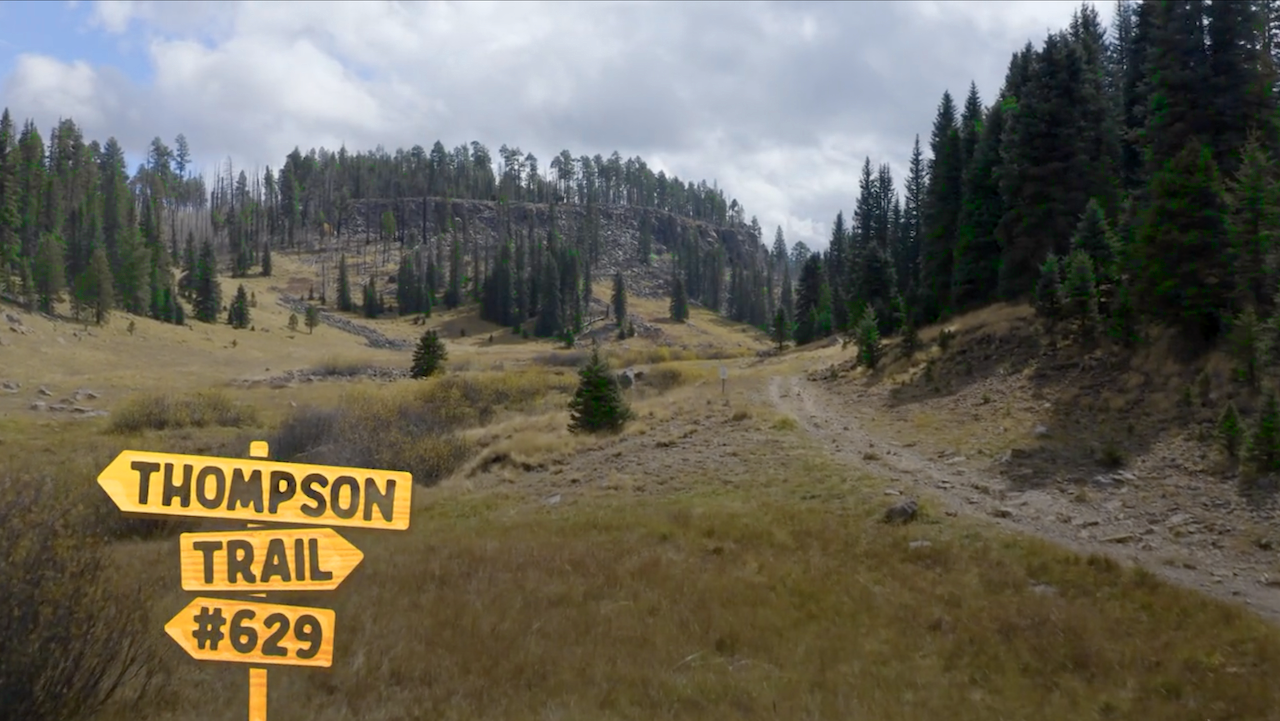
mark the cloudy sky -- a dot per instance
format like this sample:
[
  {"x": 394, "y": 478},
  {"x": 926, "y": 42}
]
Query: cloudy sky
[{"x": 777, "y": 102}]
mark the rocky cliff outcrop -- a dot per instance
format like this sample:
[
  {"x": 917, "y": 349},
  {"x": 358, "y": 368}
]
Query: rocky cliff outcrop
[{"x": 424, "y": 222}]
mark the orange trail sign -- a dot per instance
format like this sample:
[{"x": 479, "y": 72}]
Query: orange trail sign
[
  {"x": 255, "y": 490},
  {"x": 303, "y": 559},
  {"x": 215, "y": 629}
]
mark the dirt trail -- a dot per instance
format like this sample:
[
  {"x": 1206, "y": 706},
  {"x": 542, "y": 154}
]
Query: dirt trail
[{"x": 963, "y": 486}]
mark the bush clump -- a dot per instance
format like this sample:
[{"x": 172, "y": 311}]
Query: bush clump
[
  {"x": 74, "y": 637},
  {"x": 163, "y": 412}
]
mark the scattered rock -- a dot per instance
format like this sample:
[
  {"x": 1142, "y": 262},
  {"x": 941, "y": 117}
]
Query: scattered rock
[
  {"x": 1119, "y": 538},
  {"x": 553, "y": 500},
  {"x": 39, "y": 406},
  {"x": 1041, "y": 431},
  {"x": 1002, "y": 512},
  {"x": 904, "y": 512},
  {"x": 43, "y": 392},
  {"x": 10, "y": 386},
  {"x": 82, "y": 394},
  {"x": 919, "y": 544},
  {"x": 372, "y": 337},
  {"x": 1043, "y": 589}
]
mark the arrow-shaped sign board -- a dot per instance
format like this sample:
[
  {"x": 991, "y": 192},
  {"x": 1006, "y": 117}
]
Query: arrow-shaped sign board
[
  {"x": 254, "y": 490},
  {"x": 303, "y": 559},
  {"x": 215, "y": 629}
]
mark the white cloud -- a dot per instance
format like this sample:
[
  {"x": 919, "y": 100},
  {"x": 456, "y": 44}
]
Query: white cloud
[{"x": 777, "y": 102}]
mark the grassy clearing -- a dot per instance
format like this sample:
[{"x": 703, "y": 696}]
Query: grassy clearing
[
  {"x": 780, "y": 598},
  {"x": 709, "y": 562}
]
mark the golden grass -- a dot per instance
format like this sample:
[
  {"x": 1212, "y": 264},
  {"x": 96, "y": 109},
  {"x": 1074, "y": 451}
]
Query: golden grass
[
  {"x": 198, "y": 410},
  {"x": 781, "y": 598},
  {"x": 708, "y": 562}
]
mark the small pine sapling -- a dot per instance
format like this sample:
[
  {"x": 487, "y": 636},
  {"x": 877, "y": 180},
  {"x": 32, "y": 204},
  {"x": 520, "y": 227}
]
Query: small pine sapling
[
  {"x": 429, "y": 356},
  {"x": 1230, "y": 431}
]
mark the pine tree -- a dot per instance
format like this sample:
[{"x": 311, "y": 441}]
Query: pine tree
[
  {"x": 1263, "y": 449},
  {"x": 293, "y": 323},
  {"x": 312, "y": 318},
  {"x": 941, "y": 210},
  {"x": 867, "y": 332},
  {"x": 371, "y": 303},
  {"x": 807, "y": 301},
  {"x": 1253, "y": 227},
  {"x": 549, "y": 324},
  {"x": 1246, "y": 346},
  {"x": 93, "y": 288},
  {"x": 619, "y": 298},
  {"x": 1049, "y": 296},
  {"x": 48, "y": 272},
  {"x": 646, "y": 241},
  {"x": 597, "y": 405},
  {"x": 781, "y": 328},
  {"x": 976, "y": 259},
  {"x": 345, "y": 304},
  {"x": 1094, "y": 238},
  {"x": 238, "y": 313},
  {"x": 266, "y": 259},
  {"x": 208, "y": 293},
  {"x": 1230, "y": 430},
  {"x": 429, "y": 356},
  {"x": 679, "y": 300},
  {"x": 1080, "y": 293},
  {"x": 1186, "y": 278}
]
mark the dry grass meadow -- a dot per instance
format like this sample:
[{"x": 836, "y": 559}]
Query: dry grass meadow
[{"x": 709, "y": 562}]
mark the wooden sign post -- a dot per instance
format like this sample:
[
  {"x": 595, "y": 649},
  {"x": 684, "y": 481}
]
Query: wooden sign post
[
  {"x": 724, "y": 376},
  {"x": 256, "y": 561}
]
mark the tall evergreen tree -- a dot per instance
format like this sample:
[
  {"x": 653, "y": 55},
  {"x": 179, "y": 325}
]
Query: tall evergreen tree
[
  {"x": 48, "y": 272},
  {"x": 976, "y": 262},
  {"x": 207, "y": 292},
  {"x": 345, "y": 303},
  {"x": 619, "y": 299},
  {"x": 941, "y": 210},
  {"x": 1186, "y": 276},
  {"x": 807, "y": 301},
  {"x": 679, "y": 300},
  {"x": 1254, "y": 223}
]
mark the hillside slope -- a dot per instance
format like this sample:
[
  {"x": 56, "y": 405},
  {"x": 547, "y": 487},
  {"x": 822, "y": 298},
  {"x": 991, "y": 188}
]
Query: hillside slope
[
  {"x": 1096, "y": 450},
  {"x": 430, "y": 224}
]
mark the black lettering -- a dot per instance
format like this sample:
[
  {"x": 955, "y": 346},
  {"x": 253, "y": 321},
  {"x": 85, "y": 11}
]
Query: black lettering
[
  {"x": 181, "y": 491},
  {"x": 277, "y": 563},
  {"x": 310, "y": 490},
  {"x": 386, "y": 502},
  {"x": 240, "y": 561},
  {"x": 283, "y": 487},
  {"x": 208, "y": 548},
  {"x": 144, "y": 469},
  {"x": 300, "y": 559},
  {"x": 317, "y": 573},
  {"x": 219, "y": 484},
  {"x": 245, "y": 492},
  {"x": 335, "y": 493}
]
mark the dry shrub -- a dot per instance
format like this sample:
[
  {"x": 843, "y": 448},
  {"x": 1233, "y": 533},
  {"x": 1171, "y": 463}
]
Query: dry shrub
[
  {"x": 665, "y": 378},
  {"x": 562, "y": 359},
  {"x": 416, "y": 432},
  {"x": 73, "y": 634},
  {"x": 161, "y": 411},
  {"x": 339, "y": 368}
]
